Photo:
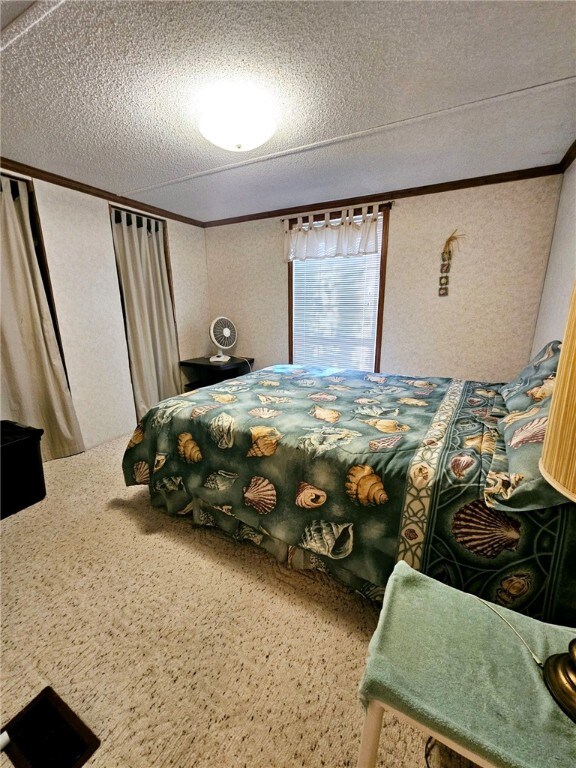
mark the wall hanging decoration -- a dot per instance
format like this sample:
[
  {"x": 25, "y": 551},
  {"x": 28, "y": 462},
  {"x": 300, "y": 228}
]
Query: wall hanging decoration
[{"x": 447, "y": 253}]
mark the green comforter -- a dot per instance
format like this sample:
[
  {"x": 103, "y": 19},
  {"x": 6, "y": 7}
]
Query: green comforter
[{"x": 349, "y": 472}]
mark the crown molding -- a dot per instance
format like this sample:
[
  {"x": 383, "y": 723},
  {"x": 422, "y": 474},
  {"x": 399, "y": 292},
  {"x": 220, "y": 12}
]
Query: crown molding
[
  {"x": 568, "y": 158},
  {"x": 62, "y": 181},
  {"x": 430, "y": 189}
]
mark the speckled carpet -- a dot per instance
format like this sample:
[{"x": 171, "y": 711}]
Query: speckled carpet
[{"x": 175, "y": 645}]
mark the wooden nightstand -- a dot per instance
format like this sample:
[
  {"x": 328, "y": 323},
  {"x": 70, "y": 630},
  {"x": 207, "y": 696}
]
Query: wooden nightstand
[{"x": 200, "y": 372}]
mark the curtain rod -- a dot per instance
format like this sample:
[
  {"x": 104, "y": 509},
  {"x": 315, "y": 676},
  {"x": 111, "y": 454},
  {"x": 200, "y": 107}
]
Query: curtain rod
[
  {"x": 136, "y": 212},
  {"x": 319, "y": 215},
  {"x": 15, "y": 175}
]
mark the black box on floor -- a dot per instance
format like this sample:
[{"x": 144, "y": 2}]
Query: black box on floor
[
  {"x": 48, "y": 734},
  {"x": 21, "y": 471}
]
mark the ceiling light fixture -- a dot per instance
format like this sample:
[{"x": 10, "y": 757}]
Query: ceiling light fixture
[{"x": 236, "y": 115}]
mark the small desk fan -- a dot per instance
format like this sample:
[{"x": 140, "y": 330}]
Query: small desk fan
[{"x": 223, "y": 334}]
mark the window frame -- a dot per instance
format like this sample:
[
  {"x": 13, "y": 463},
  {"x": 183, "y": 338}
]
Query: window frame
[{"x": 385, "y": 211}]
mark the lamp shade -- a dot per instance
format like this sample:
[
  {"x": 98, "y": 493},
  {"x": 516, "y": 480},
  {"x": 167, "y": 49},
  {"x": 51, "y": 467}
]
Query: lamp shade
[{"x": 558, "y": 461}]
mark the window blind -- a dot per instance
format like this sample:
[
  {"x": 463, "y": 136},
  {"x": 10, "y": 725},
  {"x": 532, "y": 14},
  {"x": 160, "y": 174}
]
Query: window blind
[{"x": 335, "y": 311}]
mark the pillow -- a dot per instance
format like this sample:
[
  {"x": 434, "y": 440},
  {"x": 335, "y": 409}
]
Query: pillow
[
  {"x": 535, "y": 383},
  {"x": 514, "y": 481}
]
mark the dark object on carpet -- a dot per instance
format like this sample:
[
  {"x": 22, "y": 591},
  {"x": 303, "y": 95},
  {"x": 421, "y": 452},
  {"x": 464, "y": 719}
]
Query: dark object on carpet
[
  {"x": 48, "y": 734},
  {"x": 20, "y": 457}
]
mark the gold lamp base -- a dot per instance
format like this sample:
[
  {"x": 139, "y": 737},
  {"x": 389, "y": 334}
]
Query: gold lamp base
[{"x": 560, "y": 678}]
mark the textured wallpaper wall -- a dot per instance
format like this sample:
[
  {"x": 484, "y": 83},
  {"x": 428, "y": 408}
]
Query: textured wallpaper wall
[
  {"x": 561, "y": 271},
  {"x": 482, "y": 330},
  {"x": 190, "y": 284},
  {"x": 80, "y": 254},
  {"x": 248, "y": 282}
]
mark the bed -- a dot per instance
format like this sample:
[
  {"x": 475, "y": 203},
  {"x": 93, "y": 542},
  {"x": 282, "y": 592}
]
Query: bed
[{"x": 348, "y": 472}]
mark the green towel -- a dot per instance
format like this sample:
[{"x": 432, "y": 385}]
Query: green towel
[{"x": 447, "y": 660}]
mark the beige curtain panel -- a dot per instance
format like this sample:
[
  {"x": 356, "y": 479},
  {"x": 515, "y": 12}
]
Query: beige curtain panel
[
  {"x": 347, "y": 235},
  {"x": 149, "y": 315},
  {"x": 34, "y": 387}
]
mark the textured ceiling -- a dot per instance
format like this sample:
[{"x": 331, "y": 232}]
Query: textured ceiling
[
  {"x": 9, "y": 11},
  {"x": 374, "y": 96}
]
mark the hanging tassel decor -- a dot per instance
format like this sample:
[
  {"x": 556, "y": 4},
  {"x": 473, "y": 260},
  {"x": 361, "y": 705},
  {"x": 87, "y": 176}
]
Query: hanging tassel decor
[{"x": 447, "y": 253}]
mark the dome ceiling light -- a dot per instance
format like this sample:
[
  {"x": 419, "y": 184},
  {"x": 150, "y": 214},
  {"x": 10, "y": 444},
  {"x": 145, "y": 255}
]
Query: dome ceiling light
[{"x": 236, "y": 115}]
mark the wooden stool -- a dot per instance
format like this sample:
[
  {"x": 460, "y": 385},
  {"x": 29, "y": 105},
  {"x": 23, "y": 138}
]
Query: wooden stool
[{"x": 446, "y": 663}]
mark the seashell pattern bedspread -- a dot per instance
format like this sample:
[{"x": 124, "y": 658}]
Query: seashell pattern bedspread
[{"x": 348, "y": 472}]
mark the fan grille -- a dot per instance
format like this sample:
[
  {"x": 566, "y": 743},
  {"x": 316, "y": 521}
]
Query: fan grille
[{"x": 224, "y": 332}]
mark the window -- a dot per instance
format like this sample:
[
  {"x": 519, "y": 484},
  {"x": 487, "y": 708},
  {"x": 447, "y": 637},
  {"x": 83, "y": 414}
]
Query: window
[{"x": 336, "y": 310}]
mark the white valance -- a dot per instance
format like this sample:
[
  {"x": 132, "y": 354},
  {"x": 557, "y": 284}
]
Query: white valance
[{"x": 347, "y": 235}]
